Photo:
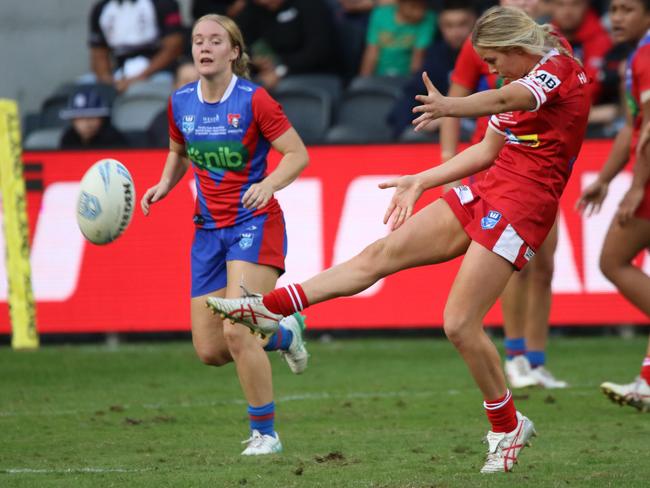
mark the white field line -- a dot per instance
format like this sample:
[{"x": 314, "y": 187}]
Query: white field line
[
  {"x": 573, "y": 391},
  {"x": 234, "y": 401},
  {"x": 70, "y": 470}
]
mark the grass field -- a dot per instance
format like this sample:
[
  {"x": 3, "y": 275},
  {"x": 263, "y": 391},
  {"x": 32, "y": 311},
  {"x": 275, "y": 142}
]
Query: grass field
[{"x": 367, "y": 413}]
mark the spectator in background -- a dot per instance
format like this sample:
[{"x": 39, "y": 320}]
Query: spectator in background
[
  {"x": 398, "y": 36},
  {"x": 289, "y": 37},
  {"x": 456, "y": 21},
  {"x": 230, "y": 8},
  {"x": 352, "y": 17},
  {"x": 580, "y": 25},
  {"x": 132, "y": 40},
  {"x": 158, "y": 131},
  {"x": 90, "y": 126}
]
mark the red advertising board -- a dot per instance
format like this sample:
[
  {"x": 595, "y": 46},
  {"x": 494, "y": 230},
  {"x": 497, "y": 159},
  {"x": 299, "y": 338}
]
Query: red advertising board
[{"x": 141, "y": 281}]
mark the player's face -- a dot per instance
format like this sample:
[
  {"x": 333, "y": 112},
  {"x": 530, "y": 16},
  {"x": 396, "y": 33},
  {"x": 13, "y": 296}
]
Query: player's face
[
  {"x": 212, "y": 51},
  {"x": 630, "y": 20},
  {"x": 512, "y": 64}
]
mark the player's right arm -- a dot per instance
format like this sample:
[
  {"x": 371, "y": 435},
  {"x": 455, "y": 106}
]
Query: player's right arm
[
  {"x": 175, "y": 167},
  {"x": 450, "y": 130}
]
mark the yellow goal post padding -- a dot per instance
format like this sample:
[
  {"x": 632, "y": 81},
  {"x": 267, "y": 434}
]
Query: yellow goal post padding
[{"x": 22, "y": 312}]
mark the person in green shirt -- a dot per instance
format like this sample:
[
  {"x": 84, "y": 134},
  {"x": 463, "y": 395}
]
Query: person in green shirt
[{"x": 397, "y": 38}]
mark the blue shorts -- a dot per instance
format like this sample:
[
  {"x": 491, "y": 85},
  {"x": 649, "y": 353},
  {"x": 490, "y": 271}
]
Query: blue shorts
[{"x": 260, "y": 240}]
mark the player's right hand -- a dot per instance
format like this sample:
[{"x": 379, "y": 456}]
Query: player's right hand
[
  {"x": 592, "y": 198},
  {"x": 407, "y": 191},
  {"x": 153, "y": 195}
]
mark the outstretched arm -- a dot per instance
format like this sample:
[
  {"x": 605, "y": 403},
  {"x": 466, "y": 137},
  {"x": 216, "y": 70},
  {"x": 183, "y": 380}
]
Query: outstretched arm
[
  {"x": 409, "y": 188},
  {"x": 489, "y": 102}
]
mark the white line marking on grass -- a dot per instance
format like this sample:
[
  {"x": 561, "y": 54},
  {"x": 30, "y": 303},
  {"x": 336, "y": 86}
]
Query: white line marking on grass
[
  {"x": 70, "y": 470},
  {"x": 323, "y": 395}
]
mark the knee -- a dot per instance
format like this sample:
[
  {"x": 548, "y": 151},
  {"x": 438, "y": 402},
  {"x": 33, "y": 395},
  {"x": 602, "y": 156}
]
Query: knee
[
  {"x": 609, "y": 265},
  {"x": 542, "y": 271},
  {"x": 236, "y": 337},
  {"x": 211, "y": 356},
  {"x": 372, "y": 259},
  {"x": 457, "y": 326}
]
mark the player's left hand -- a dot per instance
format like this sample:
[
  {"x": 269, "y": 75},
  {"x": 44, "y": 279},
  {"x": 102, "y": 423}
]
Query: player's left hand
[
  {"x": 434, "y": 105},
  {"x": 407, "y": 192},
  {"x": 257, "y": 196},
  {"x": 628, "y": 205}
]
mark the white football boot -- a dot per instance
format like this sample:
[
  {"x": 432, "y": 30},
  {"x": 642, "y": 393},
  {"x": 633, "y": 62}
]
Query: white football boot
[
  {"x": 296, "y": 356},
  {"x": 545, "y": 378},
  {"x": 518, "y": 372},
  {"x": 504, "y": 447},
  {"x": 249, "y": 311},
  {"x": 260, "y": 444},
  {"x": 636, "y": 394}
]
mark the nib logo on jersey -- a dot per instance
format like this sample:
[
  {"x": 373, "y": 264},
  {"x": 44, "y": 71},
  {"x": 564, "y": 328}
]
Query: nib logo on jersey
[{"x": 218, "y": 156}]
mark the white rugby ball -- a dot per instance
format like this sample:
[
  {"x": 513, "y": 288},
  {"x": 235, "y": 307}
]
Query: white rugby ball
[{"x": 106, "y": 201}]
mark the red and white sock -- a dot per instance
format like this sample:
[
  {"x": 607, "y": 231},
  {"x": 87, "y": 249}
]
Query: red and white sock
[
  {"x": 287, "y": 300},
  {"x": 645, "y": 369},
  {"x": 502, "y": 413}
]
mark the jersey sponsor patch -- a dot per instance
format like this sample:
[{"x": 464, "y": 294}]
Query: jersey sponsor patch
[
  {"x": 490, "y": 220},
  {"x": 546, "y": 80},
  {"x": 188, "y": 124}
]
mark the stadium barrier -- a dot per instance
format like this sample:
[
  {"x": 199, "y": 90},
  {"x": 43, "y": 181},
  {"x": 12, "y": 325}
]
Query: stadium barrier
[{"x": 141, "y": 281}]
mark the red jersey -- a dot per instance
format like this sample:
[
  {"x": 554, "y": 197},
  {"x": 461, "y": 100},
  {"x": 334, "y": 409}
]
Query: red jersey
[
  {"x": 471, "y": 72},
  {"x": 637, "y": 82},
  {"x": 530, "y": 173}
]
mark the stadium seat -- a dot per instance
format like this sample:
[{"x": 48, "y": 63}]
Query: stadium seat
[
  {"x": 410, "y": 135},
  {"x": 362, "y": 113},
  {"x": 309, "y": 110},
  {"x": 332, "y": 84},
  {"x": 44, "y": 139},
  {"x": 384, "y": 84},
  {"x": 136, "y": 112},
  {"x": 163, "y": 88}
]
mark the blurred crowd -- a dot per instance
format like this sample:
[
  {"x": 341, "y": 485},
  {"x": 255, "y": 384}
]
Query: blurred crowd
[{"x": 346, "y": 71}]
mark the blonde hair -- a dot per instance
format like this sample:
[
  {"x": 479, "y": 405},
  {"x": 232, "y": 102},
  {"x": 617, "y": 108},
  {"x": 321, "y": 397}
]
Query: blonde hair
[
  {"x": 504, "y": 28},
  {"x": 239, "y": 65}
]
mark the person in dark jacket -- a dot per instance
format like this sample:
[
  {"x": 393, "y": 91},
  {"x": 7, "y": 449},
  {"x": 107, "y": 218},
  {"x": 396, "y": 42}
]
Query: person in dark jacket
[{"x": 90, "y": 125}]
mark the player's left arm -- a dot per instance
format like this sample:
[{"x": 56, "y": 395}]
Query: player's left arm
[
  {"x": 275, "y": 127},
  {"x": 641, "y": 171},
  {"x": 508, "y": 98},
  {"x": 294, "y": 160}
]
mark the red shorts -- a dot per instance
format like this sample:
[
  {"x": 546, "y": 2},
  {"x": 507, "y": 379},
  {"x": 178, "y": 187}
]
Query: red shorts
[
  {"x": 643, "y": 212},
  {"x": 487, "y": 226}
]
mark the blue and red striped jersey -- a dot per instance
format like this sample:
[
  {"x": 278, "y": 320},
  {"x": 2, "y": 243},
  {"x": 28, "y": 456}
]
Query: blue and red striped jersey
[{"x": 228, "y": 143}]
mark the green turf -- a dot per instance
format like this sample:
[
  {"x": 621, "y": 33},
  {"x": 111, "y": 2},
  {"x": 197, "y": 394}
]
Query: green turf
[{"x": 367, "y": 413}]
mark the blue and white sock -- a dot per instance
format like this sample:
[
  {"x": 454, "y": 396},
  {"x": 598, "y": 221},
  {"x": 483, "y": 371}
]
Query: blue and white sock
[
  {"x": 514, "y": 346},
  {"x": 280, "y": 340},
  {"x": 262, "y": 418},
  {"x": 536, "y": 358}
]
